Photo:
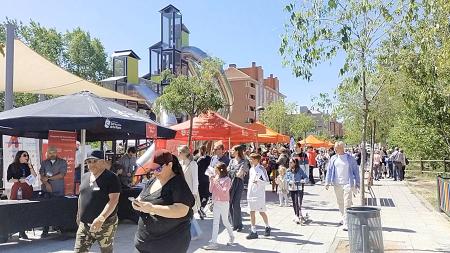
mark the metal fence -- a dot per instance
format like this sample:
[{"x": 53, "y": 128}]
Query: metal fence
[{"x": 443, "y": 194}]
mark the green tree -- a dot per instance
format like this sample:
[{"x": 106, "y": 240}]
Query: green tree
[
  {"x": 192, "y": 95},
  {"x": 301, "y": 124},
  {"x": 85, "y": 57},
  {"x": 317, "y": 30},
  {"x": 278, "y": 116}
]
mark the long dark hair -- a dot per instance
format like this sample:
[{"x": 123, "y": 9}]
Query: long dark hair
[
  {"x": 16, "y": 162},
  {"x": 296, "y": 164},
  {"x": 176, "y": 166},
  {"x": 240, "y": 151}
]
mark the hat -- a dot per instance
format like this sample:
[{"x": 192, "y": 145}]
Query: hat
[
  {"x": 160, "y": 158},
  {"x": 96, "y": 155}
]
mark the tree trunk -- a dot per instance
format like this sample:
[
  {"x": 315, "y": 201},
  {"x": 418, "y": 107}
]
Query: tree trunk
[
  {"x": 364, "y": 136},
  {"x": 372, "y": 147}
]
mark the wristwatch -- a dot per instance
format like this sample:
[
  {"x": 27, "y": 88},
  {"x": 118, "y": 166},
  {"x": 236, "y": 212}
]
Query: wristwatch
[{"x": 101, "y": 218}]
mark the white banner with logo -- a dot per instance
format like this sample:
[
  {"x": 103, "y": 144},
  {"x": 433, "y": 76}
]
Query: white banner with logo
[{"x": 12, "y": 144}]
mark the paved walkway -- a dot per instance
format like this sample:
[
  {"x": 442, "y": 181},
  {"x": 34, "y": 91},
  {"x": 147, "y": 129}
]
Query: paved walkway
[{"x": 408, "y": 226}]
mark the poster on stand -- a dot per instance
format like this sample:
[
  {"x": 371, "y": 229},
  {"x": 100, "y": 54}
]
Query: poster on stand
[
  {"x": 12, "y": 144},
  {"x": 65, "y": 143}
]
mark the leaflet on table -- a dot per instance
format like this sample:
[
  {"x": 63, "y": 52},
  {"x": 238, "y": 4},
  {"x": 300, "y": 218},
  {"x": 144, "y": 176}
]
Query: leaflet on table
[{"x": 30, "y": 179}]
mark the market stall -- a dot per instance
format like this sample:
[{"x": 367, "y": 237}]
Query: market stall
[
  {"x": 91, "y": 118},
  {"x": 312, "y": 141},
  {"x": 211, "y": 126}
]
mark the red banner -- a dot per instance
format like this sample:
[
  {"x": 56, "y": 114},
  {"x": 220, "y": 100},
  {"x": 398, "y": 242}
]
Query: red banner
[
  {"x": 150, "y": 131},
  {"x": 66, "y": 144}
]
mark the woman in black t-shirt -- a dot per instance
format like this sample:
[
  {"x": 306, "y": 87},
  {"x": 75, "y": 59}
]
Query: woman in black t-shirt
[
  {"x": 20, "y": 169},
  {"x": 165, "y": 206}
]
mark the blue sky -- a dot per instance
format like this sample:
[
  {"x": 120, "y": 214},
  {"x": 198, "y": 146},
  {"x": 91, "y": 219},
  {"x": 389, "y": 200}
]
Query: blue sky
[{"x": 236, "y": 31}]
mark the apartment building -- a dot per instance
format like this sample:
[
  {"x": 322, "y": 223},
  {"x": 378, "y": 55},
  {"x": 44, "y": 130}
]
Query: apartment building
[{"x": 252, "y": 92}]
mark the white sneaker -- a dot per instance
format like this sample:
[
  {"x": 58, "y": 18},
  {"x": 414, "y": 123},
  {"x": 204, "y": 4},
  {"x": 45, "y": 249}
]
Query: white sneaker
[
  {"x": 280, "y": 205},
  {"x": 297, "y": 220},
  {"x": 231, "y": 241},
  {"x": 211, "y": 246}
]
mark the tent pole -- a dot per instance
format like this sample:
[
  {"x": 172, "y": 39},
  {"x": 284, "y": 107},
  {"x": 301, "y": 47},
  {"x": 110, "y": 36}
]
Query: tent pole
[
  {"x": 229, "y": 146},
  {"x": 9, "y": 69},
  {"x": 83, "y": 149}
]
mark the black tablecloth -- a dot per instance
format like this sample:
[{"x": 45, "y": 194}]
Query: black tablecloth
[
  {"x": 125, "y": 210},
  {"x": 19, "y": 215}
]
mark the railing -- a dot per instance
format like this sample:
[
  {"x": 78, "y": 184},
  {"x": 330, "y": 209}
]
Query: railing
[
  {"x": 443, "y": 194},
  {"x": 429, "y": 166}
]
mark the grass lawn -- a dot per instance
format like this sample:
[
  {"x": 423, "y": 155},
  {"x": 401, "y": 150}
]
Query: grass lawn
[{"x": 423, "y": 185}]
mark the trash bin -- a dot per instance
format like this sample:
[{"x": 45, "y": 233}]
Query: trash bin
[{"x": 364, "y": 230}]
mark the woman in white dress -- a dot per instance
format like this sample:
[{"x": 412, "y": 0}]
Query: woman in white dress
[
  {"x": 256, "y": 194},
  {"x": 190, "y": 171}
]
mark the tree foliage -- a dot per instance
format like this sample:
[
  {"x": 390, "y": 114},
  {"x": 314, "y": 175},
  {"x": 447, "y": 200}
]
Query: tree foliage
[
  {"x": 317, "y": 30},
  {"x": 192, "y": 95},
  {"x": 284, "y": 118}
]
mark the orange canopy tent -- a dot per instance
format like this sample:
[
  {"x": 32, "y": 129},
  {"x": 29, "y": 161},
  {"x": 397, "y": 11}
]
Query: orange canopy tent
[
  {"x": 312, "y": 141},
  {"x": 267, "y": 135},
  {"x": 211, "y": 126}
]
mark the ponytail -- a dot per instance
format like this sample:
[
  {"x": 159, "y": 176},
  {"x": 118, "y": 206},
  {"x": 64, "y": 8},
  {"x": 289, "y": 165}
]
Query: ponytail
[{"x": 176, "y": 166}]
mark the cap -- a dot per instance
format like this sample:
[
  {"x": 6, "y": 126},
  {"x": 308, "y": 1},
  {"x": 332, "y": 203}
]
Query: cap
[
  {"x": 96, "y": 155},
  {"x": 161, "y": 157}
]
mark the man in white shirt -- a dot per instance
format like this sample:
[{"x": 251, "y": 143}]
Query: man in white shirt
[{"x": 343, "y": 174}]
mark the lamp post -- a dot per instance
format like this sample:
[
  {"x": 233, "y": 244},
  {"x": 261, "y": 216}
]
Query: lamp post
[{"x": 259, "y": 108}]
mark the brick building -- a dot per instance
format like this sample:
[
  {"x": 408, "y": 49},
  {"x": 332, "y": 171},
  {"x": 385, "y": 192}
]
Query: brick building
[{"x": 252, "y": 92}]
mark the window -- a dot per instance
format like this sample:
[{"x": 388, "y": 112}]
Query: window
[
  {"x": 250, "y": 96},
  {"x": 119, "y": 66},
  {"x": 252, "y": 85},
  {"x": 249, "y": 120},
  {"x": 251, "y": 108}
]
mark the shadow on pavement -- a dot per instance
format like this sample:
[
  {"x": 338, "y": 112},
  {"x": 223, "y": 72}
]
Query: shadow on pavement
[
  {"x": 320, "y": 209},
  {"x": 325, "y": 223},
  {"x": 404, "y": 230}
]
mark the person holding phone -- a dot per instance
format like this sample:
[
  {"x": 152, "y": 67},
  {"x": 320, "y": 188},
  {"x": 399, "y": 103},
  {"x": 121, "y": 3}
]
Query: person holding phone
[
  {"x": 296, "y": 179},
  {"x": 17, "y": 173},
  {"x": 165, "y": 206},
  {"x": 97, "y": 205}
]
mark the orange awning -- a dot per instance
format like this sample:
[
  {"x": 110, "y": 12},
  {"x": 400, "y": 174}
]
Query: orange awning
[
  {"x": 312, "y": 141},
  {"x": 211, "y": 126},
  {"x": 267, "y": 135}
]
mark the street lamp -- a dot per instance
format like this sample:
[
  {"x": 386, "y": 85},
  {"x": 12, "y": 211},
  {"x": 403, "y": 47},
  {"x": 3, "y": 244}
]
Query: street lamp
[{"x": 259, "y": 108}]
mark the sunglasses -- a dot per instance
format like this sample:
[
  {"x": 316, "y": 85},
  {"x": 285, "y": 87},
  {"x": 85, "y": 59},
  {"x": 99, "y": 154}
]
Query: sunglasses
[
  {"x": 158, "y": 169},
  {"x": 91, "y": 161},
  {"x": 24, "y": 155}
]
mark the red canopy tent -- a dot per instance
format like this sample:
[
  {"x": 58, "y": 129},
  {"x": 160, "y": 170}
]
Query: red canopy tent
[
  {"x": 211, "y": 126},
  {"x": 267, "y": 135}
]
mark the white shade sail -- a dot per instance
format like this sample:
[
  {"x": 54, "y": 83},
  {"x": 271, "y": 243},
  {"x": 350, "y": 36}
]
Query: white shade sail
[{"x": 35, "y": 74}]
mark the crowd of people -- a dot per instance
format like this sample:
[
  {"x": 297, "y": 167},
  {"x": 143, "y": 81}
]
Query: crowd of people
[{"x": 179, "y": 189}]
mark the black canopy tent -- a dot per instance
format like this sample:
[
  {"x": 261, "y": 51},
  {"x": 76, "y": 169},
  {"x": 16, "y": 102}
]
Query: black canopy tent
[
  {"x": 102, "y": 119},
  {"x": 94, "y": 119}
]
